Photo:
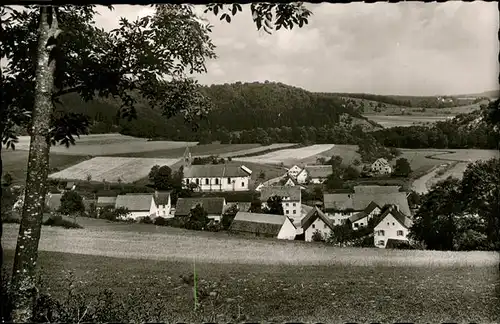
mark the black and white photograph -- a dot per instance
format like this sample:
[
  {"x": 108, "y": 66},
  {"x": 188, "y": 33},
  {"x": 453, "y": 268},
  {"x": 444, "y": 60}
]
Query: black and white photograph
[{"x": 250, "y": 162}]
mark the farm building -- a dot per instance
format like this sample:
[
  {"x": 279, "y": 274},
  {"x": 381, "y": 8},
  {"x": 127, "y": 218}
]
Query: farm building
[
  {"x": 363, "y": 217},
  {"x": 290, "y": 182},
  {"x": 294, "y": 171},
  {"x": 314, "y": 221},
  {"x": 314, "y": 174},
  {"x": 163, "y": 203},
  {"x": 266, "y": 225},
  {"x": 217, "y": 177},
  {"x": 53, "y": 201},
  {"x": 381, "y": 166},
  {"x": 340, "y": 206},
  {"x": 70, "y": 185},
  {"x": 214, "y": 206},
  {"x": 105, "y": 201},
  {"x": 139, "y": 205},
  {"x": 291, "y": 199},
  {"x": 393, "y": 225}
]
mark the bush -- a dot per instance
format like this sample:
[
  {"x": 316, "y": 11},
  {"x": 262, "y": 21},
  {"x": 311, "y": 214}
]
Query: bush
[
  {"x": 317, "y": 236},
  {"x": 179, "y": 222},
  {"x": 58, "y": 220},
  {"x": 212, "y": 226},
  {"x": 160, "y": 221},
  {"x": 146, "y": 220}
]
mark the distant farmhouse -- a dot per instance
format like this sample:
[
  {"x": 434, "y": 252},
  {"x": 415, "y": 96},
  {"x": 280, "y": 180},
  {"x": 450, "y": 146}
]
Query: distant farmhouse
[
  {"x": 214, "y": 206},
  {"x": 265, "y": 225},
  {"x": 392, "y": 228},
  {"x": 290, "y": 182},
  {"x": 341, "y": 206},
  {"x": 294, "y": 171},
  {"x": 105, "y": 201},
  {"x": 381, "y": 166},
  {"x": 142, "y": 205},
  {"x": 291, "y": 199},
  {"x": 314, "y": 221},
  {"x": 314, "y": 174},
  {"x": 215, "y": 177}
]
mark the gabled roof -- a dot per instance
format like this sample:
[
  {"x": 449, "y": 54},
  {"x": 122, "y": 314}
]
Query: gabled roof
[
  {"x": 401, "y": 218},
  {"x": 314, "y": 214},
  {"x": 266, "y": 224},
  {"x": 134, "y": 202},
  {"x": 383, "y": 162},
  {"x": 162, "y": 197},
  {"x": 212, "y": 205},
  {"x": 364, "y": 195},
  {"x": 293, "y": 193},
  {"x": 106, "y": 201},
  {"x": 362, "y": 214},
  {"x": 318, "y": 171},
  {"x": 214, "y": 171}
]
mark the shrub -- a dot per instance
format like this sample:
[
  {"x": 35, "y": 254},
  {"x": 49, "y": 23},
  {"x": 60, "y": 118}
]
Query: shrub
[
  {"x": 317, "y": 236},
  {"x": 160, "y": 221},
  {"x": 179, "y": 222},
  {"x": 212, "y": 226},
  {"x": 58, "y": 220},
  {"x": 146, "y": 220}
]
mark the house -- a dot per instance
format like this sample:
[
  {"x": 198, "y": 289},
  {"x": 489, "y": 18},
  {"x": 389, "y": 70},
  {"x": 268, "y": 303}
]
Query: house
[
  {"x": 163, "y": 203},
  {"x": 289, "y": 181},
  {"x": 139, "y": 205},
  {"x": 314, "y": 174},
  {"x": 70, "y": 185},
  {"x": 314, "y": 221},
  {"x": 291, "y": 199},
  {"x": 53, "y": 201},
  {"x": 217, "y": 177},
  {"x": 363, "y": 217},
  {"x": 105, "y": 201},
  {"x": 266, "y": 225},
  {"x": 381, "y": 166},
  {"x": 393, "y": 225},
  {"x": 294, "y": 171},
  {"x": 214, "y": 206},
  {"x": 340, "y": 206}
]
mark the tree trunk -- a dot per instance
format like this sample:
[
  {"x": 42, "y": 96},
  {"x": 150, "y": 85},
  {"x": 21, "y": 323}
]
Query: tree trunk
[{"x": 24, "y": 271}]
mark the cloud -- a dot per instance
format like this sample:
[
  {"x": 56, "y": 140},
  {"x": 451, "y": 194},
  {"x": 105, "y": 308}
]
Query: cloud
[{"x": 387, "y": 48}]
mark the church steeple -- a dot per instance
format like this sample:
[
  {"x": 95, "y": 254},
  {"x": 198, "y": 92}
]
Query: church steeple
[{"x": 187, "y": 158}]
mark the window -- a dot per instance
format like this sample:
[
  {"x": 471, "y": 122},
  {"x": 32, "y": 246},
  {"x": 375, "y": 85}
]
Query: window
[
  {"x": 295, "y": 211},
  {"x": 361, "y": 224},
  {"x": 356, "y": 225},
  {"x": 381, "y": 242},
  {"x": 197, "y": 181},
  {"x": 228, "y": 180},
  {"x": 242, "y": 184},
  {"x": 216, "y": 181},
  {"x": 288, "y": 212},
  {"x": 206, "y": 181},
  {"x": 313, "y": 226},
  {"x": 286, "y": 204},
  {"x": 294, "y": 204},
  {"x": 387, "y": 223},
  {"x": 324, "y": 226},
  {"x": 392, "y": 224},
  {"x": 381, "y": 233},
  {"x": 400, "y": 233}
]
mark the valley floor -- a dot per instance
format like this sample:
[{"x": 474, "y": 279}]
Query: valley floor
[{"x": 331, "y": 292}]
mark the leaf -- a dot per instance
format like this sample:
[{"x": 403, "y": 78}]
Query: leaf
[
  {"x": 235, "y": 9},
  {"x": 228, "y": 18},
  {"x": 216, "y": 10}
]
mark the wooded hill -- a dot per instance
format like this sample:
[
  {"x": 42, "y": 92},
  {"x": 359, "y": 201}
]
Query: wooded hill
[{"x": 236, "y": 107}]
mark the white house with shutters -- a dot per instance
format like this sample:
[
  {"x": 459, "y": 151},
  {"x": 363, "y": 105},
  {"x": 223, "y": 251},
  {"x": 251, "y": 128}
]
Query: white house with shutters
[
  {"x": 393, "y": 226},
  {"x": 294, "y": 171},
  {"x": 314, "y": 174},
  {"x": 163, "y": 203},
  {"x": 291, "y": 199},
  {"x": 381, "y": 166},
  {"x": 314, "y": 221}
]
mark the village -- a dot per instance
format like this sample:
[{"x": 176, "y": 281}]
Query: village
[{"x": 311, "y": 220}]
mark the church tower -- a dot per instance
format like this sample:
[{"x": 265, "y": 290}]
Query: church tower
[{"x": 187, "y": 158}]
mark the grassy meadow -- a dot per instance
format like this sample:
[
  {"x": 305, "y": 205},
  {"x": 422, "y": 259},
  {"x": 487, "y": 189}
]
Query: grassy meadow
[{"x": 265, "y": 279}]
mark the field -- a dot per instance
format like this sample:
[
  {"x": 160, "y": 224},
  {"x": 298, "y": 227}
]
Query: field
[
  {"x": 288, "y": 156},
  {"x": 406, "y": 120},
  {"x": 268, "y": 280},
  {"x": 111, "y": 169},
  {"x": 108, "y": 144},
  {"x": 16, "y": 163}
]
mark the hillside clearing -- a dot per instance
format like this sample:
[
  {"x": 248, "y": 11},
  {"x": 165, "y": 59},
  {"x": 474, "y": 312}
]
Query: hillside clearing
[
  {"x": 406, "y": 120},
  {"x": 108, "y": 144},
  {"x": 111, "y": 169},
  {"x": 288, "y": 156}
]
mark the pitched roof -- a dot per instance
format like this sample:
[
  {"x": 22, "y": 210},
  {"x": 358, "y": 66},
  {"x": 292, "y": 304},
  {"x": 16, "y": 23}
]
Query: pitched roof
[
  {"x": 401, "y": 218},
  {"x": 382, "y": 161},
  {"x": 212, "y": 205},
  {"x": 214, "y": 171},
  {"x": 282, "y": 191},
  {"x": 314, "y": 214},
  {"x": 358, "y": 201},
  {"x": 364, "y": 213},
  {"x": 318, "y": 171},
  {"x": 266, "y": 224},
  {"x": 134, "y": 202},
  {"x": 395, "y": 244},
  {"x": 106, "y": 201},
  {"x": 162, "y": 197}
]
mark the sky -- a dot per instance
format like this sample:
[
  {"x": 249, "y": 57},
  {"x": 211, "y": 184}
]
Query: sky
[{"x": 401, "y": 48}]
